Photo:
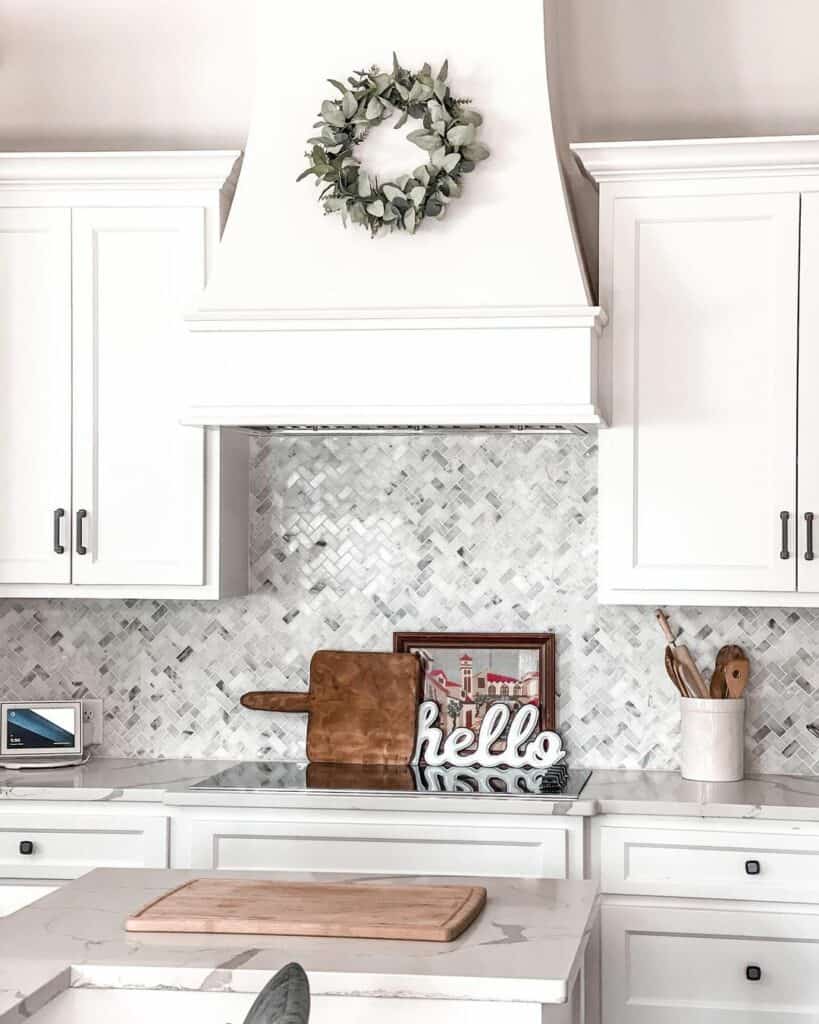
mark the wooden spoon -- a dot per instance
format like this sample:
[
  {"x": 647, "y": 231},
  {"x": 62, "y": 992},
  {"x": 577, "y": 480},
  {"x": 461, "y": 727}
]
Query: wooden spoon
[
  {"x": 719, "y": 688},
  {"x": 731, "y": 652},
  {"x": 736, "y": 676}
]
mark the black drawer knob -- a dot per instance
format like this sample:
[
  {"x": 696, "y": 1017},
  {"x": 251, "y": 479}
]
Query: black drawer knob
[
  {"x": 753, "y": 973},
  {"x": 26, "y": 847},
  {"x": 752, "y": 867}
]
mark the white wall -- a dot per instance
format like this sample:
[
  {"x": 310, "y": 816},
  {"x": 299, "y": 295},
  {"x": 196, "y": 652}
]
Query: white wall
[
  {"x": 139, "y": 73},
  {"x": 108, "y": 74}
]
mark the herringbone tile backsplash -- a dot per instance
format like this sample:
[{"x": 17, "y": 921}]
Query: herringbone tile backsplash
[{"x": 354, "y": 538}]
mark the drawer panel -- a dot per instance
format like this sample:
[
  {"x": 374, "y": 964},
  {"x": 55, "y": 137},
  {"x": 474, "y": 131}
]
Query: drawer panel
[
  {"x": 66, "y": 846},
  {"x": 666, "y": 964},
  {"x": 419, "y": 849},
  {"x": 713, "y": 863}
]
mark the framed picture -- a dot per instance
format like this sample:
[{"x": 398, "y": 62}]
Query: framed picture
[{"x": 466, "y": 672}]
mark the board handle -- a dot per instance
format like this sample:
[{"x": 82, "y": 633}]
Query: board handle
[{"x": 272, "y": 700}]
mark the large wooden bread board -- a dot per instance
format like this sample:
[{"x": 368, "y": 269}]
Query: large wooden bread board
[
  {"x": 246, "y": 906},
  {"x": 361, "y": 706}
]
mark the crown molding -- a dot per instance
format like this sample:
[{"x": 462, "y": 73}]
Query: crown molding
[
  {"x": 172, "y": 169},
  {"x": 698, "y": 158}
]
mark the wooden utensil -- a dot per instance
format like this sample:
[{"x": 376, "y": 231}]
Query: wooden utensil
[
  {"x": 682, "y": 656},
  {"x": 673, "y": 673},
  {"x": 731, "y": 652},
  {"x": 361, "y": 707},
  {"x": 736, "y": 676},
  {"x": 718, "y": 689},
  {"x": 247, "y": 906}
]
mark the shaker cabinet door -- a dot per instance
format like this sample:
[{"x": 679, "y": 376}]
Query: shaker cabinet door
[
  {"x": 808, "y": 519},
  {"x": 35, "y": 395},
  {"x": 138, "y": 474},
  {"x": 698, "y": 470}
]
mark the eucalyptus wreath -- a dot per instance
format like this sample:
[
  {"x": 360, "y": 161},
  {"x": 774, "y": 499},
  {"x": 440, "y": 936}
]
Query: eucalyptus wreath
[{"x": 449, "y": 134}]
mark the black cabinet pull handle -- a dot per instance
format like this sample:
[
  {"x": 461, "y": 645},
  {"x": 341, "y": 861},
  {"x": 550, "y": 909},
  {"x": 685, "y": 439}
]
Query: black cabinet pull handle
[
  {"x": 785, "y": 517},
  {"x": 809, "y": 536},
  {"x": 81, "y": 548},
  {"x": 752, "y": 867},
  {"x": 59, "y": 549},
  {"x": 26, "y": 847},
  {"x": 753, "y": 973}
]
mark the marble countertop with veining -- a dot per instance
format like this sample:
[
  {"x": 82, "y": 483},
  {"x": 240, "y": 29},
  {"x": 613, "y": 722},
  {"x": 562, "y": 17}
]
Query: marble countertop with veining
[
  {"x": 773, "y": 797},
  {"x": 525, "y": 946},
  {"x": 141, "y": 780}
]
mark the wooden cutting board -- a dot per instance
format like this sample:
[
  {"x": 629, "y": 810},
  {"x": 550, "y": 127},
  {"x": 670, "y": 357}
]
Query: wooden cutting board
[
  {"x": 362, "y": 707},
  {"x": 246, "y": 906}
]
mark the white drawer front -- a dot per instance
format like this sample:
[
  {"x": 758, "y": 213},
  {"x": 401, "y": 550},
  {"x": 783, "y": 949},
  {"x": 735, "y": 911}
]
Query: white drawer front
[
  {"x": 417, "y": 849},
  {"x": 665, "y": 964},
  {"x": 68, "y": 846},
  {"x": 710, "y": 863}
]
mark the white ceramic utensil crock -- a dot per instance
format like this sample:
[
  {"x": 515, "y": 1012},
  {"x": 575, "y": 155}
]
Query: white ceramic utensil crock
[{"x": 713, "y": 739}]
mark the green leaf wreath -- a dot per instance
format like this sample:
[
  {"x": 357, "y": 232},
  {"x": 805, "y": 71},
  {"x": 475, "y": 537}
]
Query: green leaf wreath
[{"x": 449, "y": 134}]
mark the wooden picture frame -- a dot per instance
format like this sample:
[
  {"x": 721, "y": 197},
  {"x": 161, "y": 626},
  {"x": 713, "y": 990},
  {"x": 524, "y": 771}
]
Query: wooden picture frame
[{"x": 540, "y": 646}]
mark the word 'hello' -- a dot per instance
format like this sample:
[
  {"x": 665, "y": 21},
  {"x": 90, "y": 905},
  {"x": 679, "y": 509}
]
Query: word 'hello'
[{"x": 524, "y": 747}]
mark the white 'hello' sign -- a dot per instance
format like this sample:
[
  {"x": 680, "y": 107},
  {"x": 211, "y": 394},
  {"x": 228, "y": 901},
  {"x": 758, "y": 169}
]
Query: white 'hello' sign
[{"x": 524, "y": 747}]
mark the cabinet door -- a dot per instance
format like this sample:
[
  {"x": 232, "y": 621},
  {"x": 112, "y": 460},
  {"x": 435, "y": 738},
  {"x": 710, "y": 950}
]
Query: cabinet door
[
  {"x": 700, "y": 461},
  {"x": 808, "y": 570},
  {"x": 35, "y": 385},
  {"x": 138, "y": 474}
]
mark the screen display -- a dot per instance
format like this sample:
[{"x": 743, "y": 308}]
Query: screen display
[{"x": 41, "y": 729}]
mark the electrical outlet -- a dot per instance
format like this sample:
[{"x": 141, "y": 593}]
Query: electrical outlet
[{"x": 91, "y": 722}]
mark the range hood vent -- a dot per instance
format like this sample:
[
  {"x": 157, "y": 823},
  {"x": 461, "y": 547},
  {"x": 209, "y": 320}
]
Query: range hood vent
[
  {"x": 395, "y": 430},
  {"x": 481, "y": 321}
]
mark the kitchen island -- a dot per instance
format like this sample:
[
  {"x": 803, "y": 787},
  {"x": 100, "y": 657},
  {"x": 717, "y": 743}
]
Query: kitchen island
[{"x": 67, "y": 958}]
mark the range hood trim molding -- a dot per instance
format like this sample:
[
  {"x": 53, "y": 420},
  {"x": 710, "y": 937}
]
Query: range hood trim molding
[
  {"x": 396, "y": 419},
  {"x": 382, "y": 318}
]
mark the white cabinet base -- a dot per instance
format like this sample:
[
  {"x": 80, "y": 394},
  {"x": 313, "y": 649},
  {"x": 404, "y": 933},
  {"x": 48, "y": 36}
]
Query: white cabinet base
[
  {"x": 437, "y": 843},
  {"x": 703, "y": 962}
]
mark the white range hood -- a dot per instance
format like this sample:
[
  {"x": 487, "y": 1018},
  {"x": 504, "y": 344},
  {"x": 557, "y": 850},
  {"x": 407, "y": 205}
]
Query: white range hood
[{"x": 482, "y": 320}]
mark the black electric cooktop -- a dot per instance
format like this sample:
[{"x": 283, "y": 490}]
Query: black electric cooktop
[{"x": 557, "y": 783}]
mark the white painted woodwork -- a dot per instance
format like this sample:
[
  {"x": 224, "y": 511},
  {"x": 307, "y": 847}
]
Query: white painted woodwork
[
  {"x": 137, "y": 471},
  {"x": 722, "y": 409},
  {"x": 129, "y": 1006},
  {"x": 68, "y": 844},
  {"x": 700, "y": 460},
  {"x": 15, "y": 897},
  {"x": 678, "y": 964},
  {"x": 668, "y": 857},
  {"x": 645, "y": 164},
  {"x": 167, "y": 505},
  {"x": 291, "y": 333},
  {"x": 808, "y": 571},
  {"x": 434, "y": 847},
  {"x": 35, "y": 411}
]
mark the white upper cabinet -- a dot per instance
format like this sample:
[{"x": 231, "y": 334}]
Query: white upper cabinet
[
  {"x": 35, "y": 402},
  {"x": 711, "y": 350},
  {"x": 100, "y": 257},
  {"x": 808, "y": 546},
  {"x": 138, "y": 473},
  {"x": 704, "y": 291}
]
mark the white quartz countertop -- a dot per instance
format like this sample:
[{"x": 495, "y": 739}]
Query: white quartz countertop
[
  {"x": 775, "y": 797},
  {"x": 525, "y": 946},
  {"x": 108, "y": 778}
]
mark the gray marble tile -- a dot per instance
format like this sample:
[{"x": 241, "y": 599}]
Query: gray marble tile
[{"x": 354, "y": 538}]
